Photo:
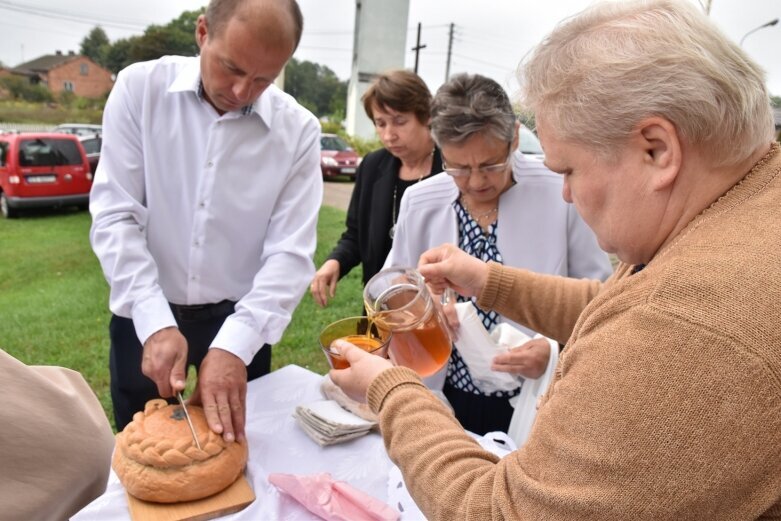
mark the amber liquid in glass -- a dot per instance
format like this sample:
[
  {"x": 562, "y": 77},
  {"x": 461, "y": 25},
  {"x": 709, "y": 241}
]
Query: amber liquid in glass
[
  {"x": 366, "y": 343},
  {"x": 425, "y": 349}
]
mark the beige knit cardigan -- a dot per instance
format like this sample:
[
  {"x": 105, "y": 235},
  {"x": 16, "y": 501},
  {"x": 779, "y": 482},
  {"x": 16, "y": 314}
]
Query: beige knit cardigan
[{"x": 666, "y": 403}]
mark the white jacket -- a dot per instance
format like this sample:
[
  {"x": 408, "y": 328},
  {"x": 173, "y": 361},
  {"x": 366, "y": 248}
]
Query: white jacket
[{"x": 537, "y": 229}]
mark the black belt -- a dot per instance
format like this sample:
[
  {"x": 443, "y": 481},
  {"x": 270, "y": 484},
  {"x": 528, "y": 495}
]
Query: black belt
[{"x": 200, "y": 312}]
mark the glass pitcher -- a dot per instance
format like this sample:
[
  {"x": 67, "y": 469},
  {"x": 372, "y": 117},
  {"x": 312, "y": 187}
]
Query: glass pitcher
[{"x": 398, "y": 300}]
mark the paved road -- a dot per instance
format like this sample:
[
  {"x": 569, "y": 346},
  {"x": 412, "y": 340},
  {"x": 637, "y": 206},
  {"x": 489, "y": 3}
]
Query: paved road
[{"x": 337, "y": 193}]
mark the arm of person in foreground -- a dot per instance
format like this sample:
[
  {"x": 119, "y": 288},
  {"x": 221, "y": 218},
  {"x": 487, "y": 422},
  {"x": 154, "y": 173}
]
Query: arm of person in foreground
[
  {"x": 56, "y": 442},
  {"x": 118, "y": 237},
  {"x": 262, "y": 315},
  {"x": 625, "y": 432},
  {"x": 548, "y": 304}
]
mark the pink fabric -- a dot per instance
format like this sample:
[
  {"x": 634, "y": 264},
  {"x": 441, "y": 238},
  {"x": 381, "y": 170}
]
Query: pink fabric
[{"x": 333, "y": 500}]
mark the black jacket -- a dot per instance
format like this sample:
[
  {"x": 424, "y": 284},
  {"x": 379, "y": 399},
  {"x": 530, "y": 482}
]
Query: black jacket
[{"x": 367, "y": 239}]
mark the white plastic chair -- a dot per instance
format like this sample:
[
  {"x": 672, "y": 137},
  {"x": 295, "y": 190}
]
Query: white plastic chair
[{"x": 526, "y": 402}]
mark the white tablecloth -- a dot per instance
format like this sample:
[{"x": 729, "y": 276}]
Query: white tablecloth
[{"x": 277, "y": 444}]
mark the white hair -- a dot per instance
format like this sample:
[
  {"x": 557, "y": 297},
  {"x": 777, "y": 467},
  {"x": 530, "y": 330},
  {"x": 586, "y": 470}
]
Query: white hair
[{"x": 599, "y": 73}]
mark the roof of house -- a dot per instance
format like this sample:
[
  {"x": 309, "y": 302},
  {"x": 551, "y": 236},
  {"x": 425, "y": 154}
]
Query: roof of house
[{"x": 44, "y": 63}]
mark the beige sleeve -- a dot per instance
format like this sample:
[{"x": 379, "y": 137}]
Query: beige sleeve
[
  {"x": 547, "y": 304},
  {"x": 628, "y": 432},
  {"x": 56, "y": 442}
]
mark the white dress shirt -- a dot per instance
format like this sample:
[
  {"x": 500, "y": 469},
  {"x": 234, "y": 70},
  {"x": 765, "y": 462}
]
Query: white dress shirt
[
  {"x": 191, "y": 207},
  {"x": 536, "y": 230}
]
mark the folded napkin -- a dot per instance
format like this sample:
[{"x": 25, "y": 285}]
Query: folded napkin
[
  {"x": 335, "y": 393},
  {"x": 478, "y": 348},
  {"x": 333, "y": 500},
  {"x": 327, "y": 423}
]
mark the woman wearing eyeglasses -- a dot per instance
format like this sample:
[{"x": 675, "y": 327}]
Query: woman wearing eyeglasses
[{"x": 498, "y": 205}]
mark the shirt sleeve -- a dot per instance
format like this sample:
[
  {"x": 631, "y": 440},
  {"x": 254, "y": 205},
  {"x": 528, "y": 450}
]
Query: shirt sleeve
[
  {"x": 286, "y": 261},
  {"x": 119, "y": 216}
]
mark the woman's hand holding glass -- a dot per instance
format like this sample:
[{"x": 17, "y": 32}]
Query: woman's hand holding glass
[{"x": 364, "y": 368}]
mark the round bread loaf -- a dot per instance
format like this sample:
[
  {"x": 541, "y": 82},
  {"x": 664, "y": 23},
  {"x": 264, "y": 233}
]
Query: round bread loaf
[{"x": 157, "y": 460}]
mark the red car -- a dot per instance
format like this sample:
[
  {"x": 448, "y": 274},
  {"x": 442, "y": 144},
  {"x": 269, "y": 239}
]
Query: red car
[
  {"x": 337, "y": 158},
  {"x": 42, "y": 169}
]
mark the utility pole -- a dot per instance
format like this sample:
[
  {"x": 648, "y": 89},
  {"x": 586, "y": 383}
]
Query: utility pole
[
  {"x": 417, "y": 49},
  {"x": 449, "y": 51}
]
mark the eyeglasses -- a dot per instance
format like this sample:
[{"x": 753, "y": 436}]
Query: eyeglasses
[{"x": 486, "y": 169}]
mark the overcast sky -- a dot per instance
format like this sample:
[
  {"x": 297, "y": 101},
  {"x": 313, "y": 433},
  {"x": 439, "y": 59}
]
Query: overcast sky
[{"x": 490, "y": 38}]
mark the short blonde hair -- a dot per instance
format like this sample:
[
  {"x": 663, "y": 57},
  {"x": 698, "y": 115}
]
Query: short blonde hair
[{"x": 599, "y": 73}]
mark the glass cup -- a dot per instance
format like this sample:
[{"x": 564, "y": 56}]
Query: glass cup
[
  {"x": 359, "y": 332},
  {"x": 398, "y": 300}
]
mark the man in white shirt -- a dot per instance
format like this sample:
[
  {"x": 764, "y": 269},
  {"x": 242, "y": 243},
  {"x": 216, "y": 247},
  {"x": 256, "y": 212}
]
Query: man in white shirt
[{"x": 204, "y": 212}]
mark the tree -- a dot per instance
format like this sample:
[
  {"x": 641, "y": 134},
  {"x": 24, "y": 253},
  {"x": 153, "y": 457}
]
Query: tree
[
  {"x": 316, "y": 87},
  {"x": 176, "y": 37},
  {"x": 118, "y": 54},
  {"x": 775, "y": 101},
  {"x": 96, "y": 45}
]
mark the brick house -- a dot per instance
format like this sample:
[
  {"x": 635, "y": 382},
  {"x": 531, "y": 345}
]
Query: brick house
[{"x": 68, "y": 72}]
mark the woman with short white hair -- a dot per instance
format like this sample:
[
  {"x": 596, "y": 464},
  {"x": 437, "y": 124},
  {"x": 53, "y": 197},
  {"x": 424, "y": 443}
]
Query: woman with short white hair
[{"x": 666, "y": 403}]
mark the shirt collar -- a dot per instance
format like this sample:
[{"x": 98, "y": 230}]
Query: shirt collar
[{"x": 189, "y": 79}]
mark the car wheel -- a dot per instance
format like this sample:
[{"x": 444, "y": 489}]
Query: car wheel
[{"x": 5, "y": 209}]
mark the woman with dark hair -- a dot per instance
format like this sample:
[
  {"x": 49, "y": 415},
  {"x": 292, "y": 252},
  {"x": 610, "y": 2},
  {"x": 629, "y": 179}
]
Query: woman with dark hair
[{"x": 398, "y": 102}]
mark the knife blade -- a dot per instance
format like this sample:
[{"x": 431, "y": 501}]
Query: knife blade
[{"x": 187, "y": 417}]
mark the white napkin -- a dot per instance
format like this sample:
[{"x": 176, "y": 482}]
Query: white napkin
[
  {"x": 326, "y": 422},
  {"x": 398, "y": 495},
  {"x": 478, "y": 348}
]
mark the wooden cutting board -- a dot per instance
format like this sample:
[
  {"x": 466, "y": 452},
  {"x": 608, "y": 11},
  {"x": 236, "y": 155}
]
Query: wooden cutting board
[{"x": 232, "y": 499}]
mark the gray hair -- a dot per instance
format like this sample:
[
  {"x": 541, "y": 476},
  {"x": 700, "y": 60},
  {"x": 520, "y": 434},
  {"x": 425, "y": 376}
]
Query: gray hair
[
  {"x": 598, "y": 74},
  {"x": 468, "y": 104}
]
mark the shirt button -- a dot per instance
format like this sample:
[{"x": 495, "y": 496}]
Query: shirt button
[
  {"x": 209, "y": 164},
  {"x": 203, "y": 204},
  {"x": 196, "y": 243},
  {"x": 194, "y": 277}
]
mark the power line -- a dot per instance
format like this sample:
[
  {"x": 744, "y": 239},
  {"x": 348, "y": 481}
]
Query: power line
[
  {"x": 483, "y": 62},
  {"x": 69, "y": 16},
  {"x": 40, "y": 29}
]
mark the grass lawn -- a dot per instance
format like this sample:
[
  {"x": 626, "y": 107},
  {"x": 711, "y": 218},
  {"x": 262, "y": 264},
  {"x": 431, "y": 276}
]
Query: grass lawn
[{"x": 54, "y": 299}]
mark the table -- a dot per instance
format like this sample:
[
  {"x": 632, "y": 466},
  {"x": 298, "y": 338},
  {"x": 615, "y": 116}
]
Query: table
[{"x": 277, "y": 444}]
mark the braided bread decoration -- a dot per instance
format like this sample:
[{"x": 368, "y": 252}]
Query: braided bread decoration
[{"x": 157, "y": 459}]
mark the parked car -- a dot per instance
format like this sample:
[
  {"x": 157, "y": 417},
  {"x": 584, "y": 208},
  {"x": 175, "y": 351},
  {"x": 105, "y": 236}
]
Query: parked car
[
  {"x": 78, "y": 129},
  {"x": 530, "y": 144},
  {"x": 92, "y": 144},
  {"x": 337, "y": 158},
  {"x": 42, "y": 169}
]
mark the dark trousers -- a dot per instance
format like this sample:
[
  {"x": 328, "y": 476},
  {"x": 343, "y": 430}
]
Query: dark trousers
[
  {"x": 130, "y": 389},
  {"x": 479, "y": 413}
]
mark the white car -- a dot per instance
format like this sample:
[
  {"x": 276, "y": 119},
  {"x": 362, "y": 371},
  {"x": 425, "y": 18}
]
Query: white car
[
  {"x": 78, "y": 129},
  {"x": 529, "y": 145}
]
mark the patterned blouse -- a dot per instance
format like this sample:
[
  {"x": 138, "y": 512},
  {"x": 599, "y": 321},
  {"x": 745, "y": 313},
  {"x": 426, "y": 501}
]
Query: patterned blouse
[{"x": 481, "y": 245}]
